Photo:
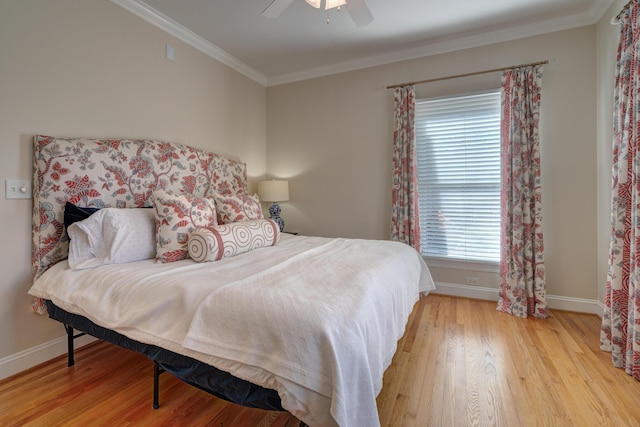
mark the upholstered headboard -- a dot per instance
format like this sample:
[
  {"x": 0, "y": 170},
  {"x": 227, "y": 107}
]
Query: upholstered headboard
[{"x": 115, "y": 173}]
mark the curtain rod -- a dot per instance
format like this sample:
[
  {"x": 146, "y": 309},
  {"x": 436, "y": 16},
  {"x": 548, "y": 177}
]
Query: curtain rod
[
  {"x": 616, "y": 19},
  {"x": 467, "y": 74}
]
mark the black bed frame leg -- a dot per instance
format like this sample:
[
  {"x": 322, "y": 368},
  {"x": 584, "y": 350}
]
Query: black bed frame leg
[
  {"x": 70, "y": 337},
  {"x": 157, "y": 370}
]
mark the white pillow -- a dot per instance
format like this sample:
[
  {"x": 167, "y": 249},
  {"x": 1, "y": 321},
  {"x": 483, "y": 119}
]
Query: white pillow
[{"x": 112, "y": 236}]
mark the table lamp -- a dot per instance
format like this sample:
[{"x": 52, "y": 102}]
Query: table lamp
[{"x": 274, "y": 191}]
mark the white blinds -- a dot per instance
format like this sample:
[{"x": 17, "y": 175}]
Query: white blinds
[{"x": 458, "y": 156}]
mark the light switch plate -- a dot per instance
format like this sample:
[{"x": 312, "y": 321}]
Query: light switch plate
[{"x": 17, "y": 189}]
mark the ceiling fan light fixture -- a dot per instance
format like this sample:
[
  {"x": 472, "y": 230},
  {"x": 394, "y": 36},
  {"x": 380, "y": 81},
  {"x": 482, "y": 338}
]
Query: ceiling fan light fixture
[
  {"x": 328, "y": 4},
  {"x": 357, "y": 9}
]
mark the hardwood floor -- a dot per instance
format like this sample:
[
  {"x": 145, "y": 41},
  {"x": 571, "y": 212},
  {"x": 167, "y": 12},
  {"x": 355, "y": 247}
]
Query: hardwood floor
[{"x": 460, "y": 363}]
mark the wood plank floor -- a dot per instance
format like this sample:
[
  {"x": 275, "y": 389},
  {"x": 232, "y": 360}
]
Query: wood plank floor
[{"x": 460, "y": 363}]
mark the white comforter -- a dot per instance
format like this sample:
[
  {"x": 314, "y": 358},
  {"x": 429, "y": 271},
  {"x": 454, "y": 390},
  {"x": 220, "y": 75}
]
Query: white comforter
[{"x": 315, "y": 319}]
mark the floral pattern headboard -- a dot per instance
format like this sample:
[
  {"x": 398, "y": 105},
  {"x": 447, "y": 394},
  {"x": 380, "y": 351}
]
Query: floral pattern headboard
[{"x": 114, "y": 173}]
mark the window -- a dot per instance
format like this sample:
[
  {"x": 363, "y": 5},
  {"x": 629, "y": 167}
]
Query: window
[{"x": 458, "y": 156}]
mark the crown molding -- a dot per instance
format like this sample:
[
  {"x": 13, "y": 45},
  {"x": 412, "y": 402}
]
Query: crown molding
[
  {"x": 444, "y": 46},
  {"x": 167, "y": 24},
  {"x": 471, "y": 40}
]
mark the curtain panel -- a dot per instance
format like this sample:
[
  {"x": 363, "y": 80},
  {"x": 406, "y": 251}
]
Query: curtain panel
[
  {"x": 522, "y": 271},
  {"x": 620, "y": 333},
  {"x": 405, "y": 224}
]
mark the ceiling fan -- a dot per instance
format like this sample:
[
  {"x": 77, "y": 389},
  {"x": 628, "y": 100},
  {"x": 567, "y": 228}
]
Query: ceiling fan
[{"x": 357, "y": 9}]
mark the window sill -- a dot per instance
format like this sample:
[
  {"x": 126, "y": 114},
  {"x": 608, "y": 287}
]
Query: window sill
[{"x": 487, "y": 266}]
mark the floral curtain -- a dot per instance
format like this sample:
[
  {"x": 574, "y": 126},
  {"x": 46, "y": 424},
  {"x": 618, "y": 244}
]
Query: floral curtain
[
  {"x": 405, "y": 226},
  {"x": 620, "y": 333},
  {"x": 522, "y": 271}
]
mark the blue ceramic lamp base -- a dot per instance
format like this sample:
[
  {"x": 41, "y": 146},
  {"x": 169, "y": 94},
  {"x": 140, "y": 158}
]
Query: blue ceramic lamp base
[{"x": 274, "y": 212}]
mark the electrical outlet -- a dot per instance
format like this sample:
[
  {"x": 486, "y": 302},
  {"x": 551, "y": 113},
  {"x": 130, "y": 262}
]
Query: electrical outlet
[
  {"x": 17, "y": 189},
  {"x": 472, "y": 280}
]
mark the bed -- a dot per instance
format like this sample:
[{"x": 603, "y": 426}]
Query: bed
[{"x": 296, "y": 323}]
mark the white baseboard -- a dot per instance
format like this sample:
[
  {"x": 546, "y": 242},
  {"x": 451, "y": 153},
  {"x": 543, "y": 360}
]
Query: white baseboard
[
  {"x": 467, "y": 291},
  {"x": 579, "y": 305},
  {"x": 33, "y": 356}
]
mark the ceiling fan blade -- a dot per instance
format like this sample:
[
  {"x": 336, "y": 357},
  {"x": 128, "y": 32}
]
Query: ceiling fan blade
[
  {"x": 359, "y": 12},
  {"x": 276, "y": 8}
]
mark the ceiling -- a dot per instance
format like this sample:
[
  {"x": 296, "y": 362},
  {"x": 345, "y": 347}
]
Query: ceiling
[{"x": 299, "y": 44}]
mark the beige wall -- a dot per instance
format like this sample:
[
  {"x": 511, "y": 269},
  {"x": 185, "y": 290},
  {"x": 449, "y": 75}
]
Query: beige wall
[
  {"x": 89, "y": 68},
  {"x": 332, "y": 138},
  {"x": 607, "y": 47}
]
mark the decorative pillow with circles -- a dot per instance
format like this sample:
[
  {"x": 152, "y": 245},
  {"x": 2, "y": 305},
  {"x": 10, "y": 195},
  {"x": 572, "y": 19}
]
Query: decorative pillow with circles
[
  {"x": 238, "y": 208},
  {"x": 227, "y": 240},
  {"x": 177, "y": 215}
]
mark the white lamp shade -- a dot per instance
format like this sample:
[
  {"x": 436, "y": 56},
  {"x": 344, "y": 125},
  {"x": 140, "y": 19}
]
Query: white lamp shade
[{"x": 273, "y": 191}]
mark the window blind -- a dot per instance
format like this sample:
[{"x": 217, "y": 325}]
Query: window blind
[{"x": 458, "y": 159}]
